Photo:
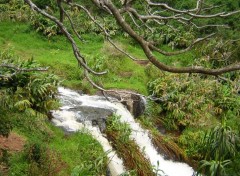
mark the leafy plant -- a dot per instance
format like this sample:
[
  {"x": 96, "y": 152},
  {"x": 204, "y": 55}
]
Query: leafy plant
[
  {"x": 220, "y": 147},
  {"x": 43, "y": 25},
  {"x": 14, "y": 10},
  {"x": 24, "y": 90},
  {"x": 114, "y": 124},
  {"x": 192, "y": 100},
  {"x": 5, "y": 125},
  {"x": 214, "y": 168},
  {"x": 29, "y": 92},
  {"x": 220, "y": 142}
]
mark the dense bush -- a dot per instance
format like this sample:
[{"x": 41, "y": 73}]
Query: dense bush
[
  {"x": 192, "y": 100},
  {"x": 43, "y": 25},
  {"x": 5, "y": 125},
  {"x": 14, "y": 10},
  {"x": 30, "y": 92},
  {"x": 23, "y": 90},
  {"x": 45, "y": 3},
  {"x": 220, "y": 148}
]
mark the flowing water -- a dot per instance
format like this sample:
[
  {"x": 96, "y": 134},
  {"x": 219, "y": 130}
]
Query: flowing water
[{"x": 71, "y": 117}]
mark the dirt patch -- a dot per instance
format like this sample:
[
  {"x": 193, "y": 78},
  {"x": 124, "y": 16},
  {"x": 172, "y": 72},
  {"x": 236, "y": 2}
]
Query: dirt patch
[{"x": 14, "y": 143}]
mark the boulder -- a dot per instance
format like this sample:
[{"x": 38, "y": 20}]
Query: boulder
[{"x": 135, "y": 103}]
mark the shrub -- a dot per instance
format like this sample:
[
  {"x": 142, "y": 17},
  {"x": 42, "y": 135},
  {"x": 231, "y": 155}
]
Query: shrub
[
  {"x": 14, "y": 10},
  {"x": 220, "y": 147},
  {"x": 192, "y": 100},
  {"x": 24, "y": 90},
  {"x": 43, "y": 25},
  {"x": 44, "y": 3},
  {"x": 29, "y": 92},
  {"x": 5, "y": 125}
]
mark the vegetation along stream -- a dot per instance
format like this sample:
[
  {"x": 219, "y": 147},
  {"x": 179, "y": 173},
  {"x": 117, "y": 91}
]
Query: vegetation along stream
[{"x": 73, "y": 117}]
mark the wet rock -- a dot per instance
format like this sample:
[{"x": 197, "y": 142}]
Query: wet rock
[
  {"x": 88, "y": 113},
  {"x": 101, "y": 123},
  {"x": 138, "y": 105},
  {"x": 133, "y": 102}
]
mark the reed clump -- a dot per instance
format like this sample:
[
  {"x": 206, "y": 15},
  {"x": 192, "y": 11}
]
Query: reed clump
[{"x": 118, "y": 133}]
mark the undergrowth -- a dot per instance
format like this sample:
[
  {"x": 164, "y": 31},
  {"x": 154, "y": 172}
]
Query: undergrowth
[{"x": 118, "y": 133}]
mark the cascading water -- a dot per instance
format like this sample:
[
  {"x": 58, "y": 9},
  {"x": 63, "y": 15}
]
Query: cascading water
[{"x": 71, "y": 118}]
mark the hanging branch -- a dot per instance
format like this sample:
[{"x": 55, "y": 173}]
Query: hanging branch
[
  {"x": 107, "y": 35},
  {"x": 16, "y": 70},
  {"x": 153, "y": 13},
  {"x": 81, "y": 60},
  {"x": 147, "y": 46}
]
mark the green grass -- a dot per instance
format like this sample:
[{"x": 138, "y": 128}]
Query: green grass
[
  {"x": 57, "y": 53},
  {"x": 78, "y": 149}
]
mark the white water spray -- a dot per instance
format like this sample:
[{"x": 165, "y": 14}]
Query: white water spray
[{"x": 67, "y": 119}]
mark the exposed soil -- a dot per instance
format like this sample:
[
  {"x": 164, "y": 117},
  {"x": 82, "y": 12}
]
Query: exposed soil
[{"x": 14, "y": 143}]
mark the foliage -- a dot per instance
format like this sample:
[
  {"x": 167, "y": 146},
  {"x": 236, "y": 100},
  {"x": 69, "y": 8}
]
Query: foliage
[
  {"x": 134, "y": 160},
  {"x": 215, "y": 168},
  {"x": 220, "y": 147},
  {"x": 114, "y": 124},
  {"x": 94, "y": 167},
  {"x": 45, "y": 3},
  {"x": 191, "y": 100},
  {"x": 43, "y": 25},
  {"x": 219, "y": 52},
  {"x": 5, "y": 124},
  {"x": 29, "y": 92},
  {"x": 178, "y": 37},
  {"x": 14, "y": 10},
  {"x": 24, "y": 90},
  {"x": 190, "y": 140},
  {"x": 221, "y": 142}
]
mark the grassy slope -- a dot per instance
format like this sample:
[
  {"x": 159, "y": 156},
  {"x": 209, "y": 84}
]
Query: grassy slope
[
  {"x": 67, "y": 152},
  {"x": 57, "y": 53},
  {"x": 59, "y": 57}
]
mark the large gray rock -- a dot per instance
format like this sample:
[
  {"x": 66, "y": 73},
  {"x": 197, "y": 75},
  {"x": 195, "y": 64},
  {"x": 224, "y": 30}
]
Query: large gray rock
[
  {"x": 133, "y": 102},
  {"x": 96, "y": 115},
  {"x": 89, "y": 113}
]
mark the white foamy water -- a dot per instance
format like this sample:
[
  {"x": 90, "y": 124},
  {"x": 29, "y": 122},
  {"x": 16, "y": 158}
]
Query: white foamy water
[{"x": 67, "y": 119}]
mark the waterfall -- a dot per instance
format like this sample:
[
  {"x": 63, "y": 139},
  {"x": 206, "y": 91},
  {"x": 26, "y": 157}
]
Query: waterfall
[{"x": 72, "y": 117}]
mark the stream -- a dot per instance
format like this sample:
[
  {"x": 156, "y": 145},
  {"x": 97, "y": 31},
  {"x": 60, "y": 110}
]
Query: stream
[{"x": 89, "y": 112}]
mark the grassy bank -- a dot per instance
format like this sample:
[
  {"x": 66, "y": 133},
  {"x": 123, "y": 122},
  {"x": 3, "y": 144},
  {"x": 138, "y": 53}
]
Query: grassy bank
[
  {"x": 48, "y": 151},
  {"x": 56, "y": 53}
]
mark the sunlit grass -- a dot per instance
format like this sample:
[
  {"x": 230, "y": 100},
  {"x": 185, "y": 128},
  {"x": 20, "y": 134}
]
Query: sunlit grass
[{"x": 57, "y": 54}]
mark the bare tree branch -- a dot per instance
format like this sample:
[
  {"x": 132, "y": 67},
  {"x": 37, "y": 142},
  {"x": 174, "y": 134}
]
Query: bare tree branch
[
  {"x": 146, "y": 48},
  {"x": 160, "y": 14},
  {"x": 78, "y": 56},
  {"x": 16, "y": 70},
  {"x": 107, "y": 35}
]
